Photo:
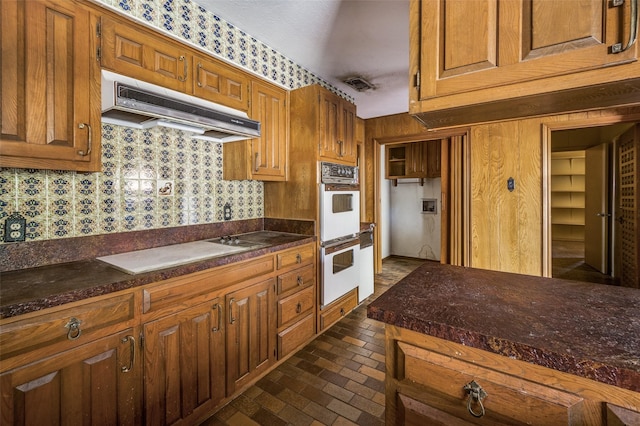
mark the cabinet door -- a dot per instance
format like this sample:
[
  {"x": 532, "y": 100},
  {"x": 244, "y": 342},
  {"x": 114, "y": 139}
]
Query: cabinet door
[
  {"x": 96, "y": 383},
  {"x": 269, "y": 151},
  {"x": 251, "y": 333},
  {"x": 466, "y": 46},
  {"x": 417, "y": 167},
  {"x": 143, "y": 54},
  {"x": 330, "y": 110},
  {"x": 347, "y": 149},
  {"x": 49, "y": 93},
  {"x": 220, "y": 83},
  {"x": 434, "y": 159},
  {"x": 184, "y": 364}
]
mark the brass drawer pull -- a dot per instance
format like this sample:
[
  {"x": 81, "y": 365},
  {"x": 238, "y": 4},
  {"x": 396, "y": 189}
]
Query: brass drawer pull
[
  {"x": 89, "y": 141},
  {"x": 219, "y": 326},
  {"x": 300, "y": 280},
  {"x": 298, "y": 258},
  {"x": 74, "y": 328},
  {"x": 231, "y": 318},
  {"x": 186, "y": 68},
  {"x": 298, "y": 308},
  {"x": 476, "y": 395},
  {"x": 132, "y": 348}
]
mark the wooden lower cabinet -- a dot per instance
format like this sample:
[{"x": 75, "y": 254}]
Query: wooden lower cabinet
[
  {"x": 251, "y": 333},
  {"x": 430, "y": 381},
  {"x": 184, "y": 364},
  {"x": 95, "y": 383},
  {"x": 338, "y": 309}
]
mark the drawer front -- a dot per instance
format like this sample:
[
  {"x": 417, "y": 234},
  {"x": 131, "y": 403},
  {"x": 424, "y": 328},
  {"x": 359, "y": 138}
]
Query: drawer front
[
  {"x": 295, "y": 306},
  {"x": 73, "y": 326},
  {"x": 508, "y": 398},
  {"x": 294, "y": 336},
  {"x": 180, "y": 293},
  {"x": 338, "y": 309},
  {"x": 296, "y": 280},
  {"x": 296, "y": 257}
]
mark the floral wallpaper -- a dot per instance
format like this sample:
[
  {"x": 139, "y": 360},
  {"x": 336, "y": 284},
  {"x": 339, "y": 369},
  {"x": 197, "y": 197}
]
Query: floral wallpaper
[{"x": 158, "y": 177}]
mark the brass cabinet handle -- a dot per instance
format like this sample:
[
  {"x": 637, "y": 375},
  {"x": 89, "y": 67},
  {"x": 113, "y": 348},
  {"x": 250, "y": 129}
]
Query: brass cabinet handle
[
  {"x": 89, "y": 141},
  {"x": 476, "y": 395},
  {"x": 341, "y": 312},
  {"x": 231, "y": 318},
  {"x": 298, "y": 258},
  {"x": 257, "y": 163},
  {"x": 132, "y": 348},
  {"x": 340, "y": 152},
  {"x": 219, "y": 308},
  {"x": 300, "y": 280},
  {"x": 198, "y": 82},
  {"x": 186, "y": 68},
  {"x": 633, "y": 27},
  {"x": 74, "y": 328},
  {"x": 298, "y": 308}
]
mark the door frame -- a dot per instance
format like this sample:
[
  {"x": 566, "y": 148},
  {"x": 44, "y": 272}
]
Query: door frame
[
  {"x": 461, "y": 243},
  {"x": 547, "y": 129}
]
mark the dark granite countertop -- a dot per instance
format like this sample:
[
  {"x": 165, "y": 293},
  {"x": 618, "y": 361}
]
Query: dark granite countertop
[
  {"x": 33, "y": 289},
  {"x": 590, "y": 330}
]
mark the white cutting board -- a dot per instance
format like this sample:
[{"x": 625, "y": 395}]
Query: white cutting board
[{"x": 136, "y": 262}]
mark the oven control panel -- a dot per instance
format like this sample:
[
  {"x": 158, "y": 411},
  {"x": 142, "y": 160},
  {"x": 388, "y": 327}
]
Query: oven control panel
[{"x": 339, "y": 173}]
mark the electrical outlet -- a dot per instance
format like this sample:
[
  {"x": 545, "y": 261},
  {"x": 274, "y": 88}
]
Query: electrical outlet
[
  {"x": 227, "y": 211},
  {"x": 15, "y": 228}
]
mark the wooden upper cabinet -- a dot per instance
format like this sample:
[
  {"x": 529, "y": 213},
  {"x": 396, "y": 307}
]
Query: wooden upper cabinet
[
  {"x": 263, "y": 158},
  {"x": 144, "y": 54},
  {"x": 50, "y": 88},
  {"x": 221, "y": 83},
  {"x": 337, "y": 128},
  {"x": 465, "y": 53}
]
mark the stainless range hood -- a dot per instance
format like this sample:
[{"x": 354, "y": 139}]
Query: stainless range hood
[{"x": 135, "y": 103}]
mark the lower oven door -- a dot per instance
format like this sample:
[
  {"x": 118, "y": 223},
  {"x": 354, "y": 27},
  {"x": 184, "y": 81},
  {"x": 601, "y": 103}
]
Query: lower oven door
[{"x": 340, "y": 270}]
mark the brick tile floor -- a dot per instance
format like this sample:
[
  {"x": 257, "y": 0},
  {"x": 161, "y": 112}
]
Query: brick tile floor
[{"x": 337, "y": 379}]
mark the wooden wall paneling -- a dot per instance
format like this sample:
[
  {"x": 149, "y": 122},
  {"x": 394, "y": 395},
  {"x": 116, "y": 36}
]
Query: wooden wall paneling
[
  {"x": 505, "y": 162},
  {"x": 481, "y": 243}
]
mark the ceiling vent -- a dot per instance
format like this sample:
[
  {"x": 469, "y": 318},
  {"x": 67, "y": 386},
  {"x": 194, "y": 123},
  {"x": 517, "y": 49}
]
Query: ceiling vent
[{"x": 359, "y": 83}]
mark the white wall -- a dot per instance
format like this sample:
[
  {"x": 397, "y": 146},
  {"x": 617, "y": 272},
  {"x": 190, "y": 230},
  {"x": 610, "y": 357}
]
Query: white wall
[{"x": 413, "y": 233}]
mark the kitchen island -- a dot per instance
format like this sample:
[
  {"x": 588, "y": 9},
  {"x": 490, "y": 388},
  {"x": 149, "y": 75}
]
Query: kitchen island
[{"x": 477, "y": 346}]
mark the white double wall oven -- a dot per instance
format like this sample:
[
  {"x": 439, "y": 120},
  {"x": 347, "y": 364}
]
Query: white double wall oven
[{"x": 339, "y": 229}]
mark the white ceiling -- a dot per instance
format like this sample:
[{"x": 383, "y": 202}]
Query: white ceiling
[{"x": 335, "y": 39}]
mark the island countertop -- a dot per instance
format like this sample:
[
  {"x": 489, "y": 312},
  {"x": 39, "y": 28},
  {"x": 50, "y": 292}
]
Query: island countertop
[{"x": 589, "y": 330}]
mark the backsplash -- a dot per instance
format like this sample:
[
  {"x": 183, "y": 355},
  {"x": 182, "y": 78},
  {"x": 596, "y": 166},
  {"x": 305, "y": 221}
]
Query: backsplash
[{"x": 153, "y": 178}]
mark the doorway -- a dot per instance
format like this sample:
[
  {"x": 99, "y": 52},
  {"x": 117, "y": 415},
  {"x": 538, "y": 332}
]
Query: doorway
[{"x": 585, "y": 210}]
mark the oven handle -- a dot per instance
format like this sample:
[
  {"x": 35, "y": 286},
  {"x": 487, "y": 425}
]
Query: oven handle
[
  {"x": 335, "y": 187},
  {"x": 341, "y": 245}
]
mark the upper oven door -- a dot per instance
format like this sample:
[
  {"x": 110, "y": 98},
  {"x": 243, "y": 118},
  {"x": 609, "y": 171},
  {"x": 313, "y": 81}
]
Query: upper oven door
[{"x": 339, "y": 211}]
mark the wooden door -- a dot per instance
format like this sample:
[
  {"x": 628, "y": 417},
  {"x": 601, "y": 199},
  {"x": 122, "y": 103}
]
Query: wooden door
[
  {"x": 330, "y": 110},
  {"x": 144, "y": 55},
  {"x": 220, "y": 83},
  {"x": 184, "y": 364},
  {"x": 596, "y": 213},
  {"x": 98, "y": 383},
  {"x": 49, "y": 115},
  {"x": 627, "y": 233},
  {"x": 470, "y": 45},
  {"x": 269, "y": 151},
  {"x": 251, "y": 333}
]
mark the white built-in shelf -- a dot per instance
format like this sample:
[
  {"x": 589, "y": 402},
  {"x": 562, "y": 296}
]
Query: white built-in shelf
[{"x": 567, "y": 195}]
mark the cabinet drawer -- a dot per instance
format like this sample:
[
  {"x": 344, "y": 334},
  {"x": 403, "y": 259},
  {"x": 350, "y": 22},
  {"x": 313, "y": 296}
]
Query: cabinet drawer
[
  {"x": 509, "y": 398},
  {"x": 180, "y": 293},
  {"x": 338, "y": 309},
  {"x": 297, "y": 279},
  {"x": 294, "y": 336},
  {"x": 293, "y": 307},
  {"x": 68, "y": 327},
  {"x": 296, "y": 257}
]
